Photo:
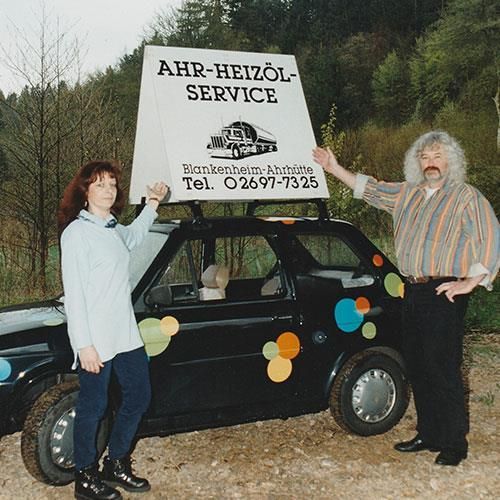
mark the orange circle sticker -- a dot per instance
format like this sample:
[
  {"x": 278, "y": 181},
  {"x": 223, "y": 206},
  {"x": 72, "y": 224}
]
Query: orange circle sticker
[
  {"x": 289, "y": 345},
  {"x": 362, "y": 305},
  {"x": 279, "y": 369},
  {"x": 169, "y": 326},
  {"x": 377, "y": 260}
]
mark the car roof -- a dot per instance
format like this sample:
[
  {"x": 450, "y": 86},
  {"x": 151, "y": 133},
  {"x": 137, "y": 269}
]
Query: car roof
[{"x": 167, "y": 226}]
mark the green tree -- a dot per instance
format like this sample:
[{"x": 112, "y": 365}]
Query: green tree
[
  {"x": 258, "y": 24},
  {"x": 319, "y": 73},
  {"x": 47, "y": 131},
  {"x": 460, "y": 48},
  {"x": 196, "y": 23},
  {"x": 33, "y": 137},
  {"x": 358, "y": 58},
  {"x": 390, "y": 85},
  {"x": 341, "y": 203}
]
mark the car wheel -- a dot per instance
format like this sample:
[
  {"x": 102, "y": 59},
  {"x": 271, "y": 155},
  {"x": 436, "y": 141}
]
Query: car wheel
[
  {"x": 47, "y": 436},
  {"x": 370, "y": 394}
]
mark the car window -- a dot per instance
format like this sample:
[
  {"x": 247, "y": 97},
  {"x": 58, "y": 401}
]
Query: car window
[
  {"x": 231, "y": 268},
  {"x": 252, "y": 265},
  {"x": 333, "y": 258},
  {"x": 142, "y": 256},
  {"x": 329, "y": 250},
  {"x": 245, "y": 256},
  {"x": 182, "y": 273},
  {"x": 184, "y": 265}
]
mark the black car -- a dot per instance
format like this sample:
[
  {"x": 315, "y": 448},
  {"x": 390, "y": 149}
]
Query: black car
[{"x": 243, "y": 319}]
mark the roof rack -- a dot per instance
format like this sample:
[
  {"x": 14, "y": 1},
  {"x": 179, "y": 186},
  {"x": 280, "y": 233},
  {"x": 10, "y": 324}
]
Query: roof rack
[{"x": 198, "y": 217}]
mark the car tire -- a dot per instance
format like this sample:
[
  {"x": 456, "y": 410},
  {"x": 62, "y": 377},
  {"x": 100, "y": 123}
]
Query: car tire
[
  {"x": 47, "y": 436},
  {"x": 369, "y": 395}
]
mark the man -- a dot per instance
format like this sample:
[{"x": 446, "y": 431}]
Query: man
[{"x": 447, "y": 241}]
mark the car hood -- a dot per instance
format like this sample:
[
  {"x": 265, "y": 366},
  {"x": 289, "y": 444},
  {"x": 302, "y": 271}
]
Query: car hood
[{"x": 27, "y": 316}]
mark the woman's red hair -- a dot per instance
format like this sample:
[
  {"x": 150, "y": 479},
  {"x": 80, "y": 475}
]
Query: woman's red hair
[{"x": 75, "y": 194}]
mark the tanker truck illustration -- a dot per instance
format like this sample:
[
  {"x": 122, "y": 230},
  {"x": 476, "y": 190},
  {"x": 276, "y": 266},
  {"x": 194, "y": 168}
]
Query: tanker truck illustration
[{"x": 240, "y": 139}]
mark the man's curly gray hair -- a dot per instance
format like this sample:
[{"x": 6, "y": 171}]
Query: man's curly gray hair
[{"x": 454, "y": 153}]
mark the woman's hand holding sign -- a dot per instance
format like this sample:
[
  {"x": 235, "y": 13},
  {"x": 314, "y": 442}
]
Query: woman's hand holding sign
[{"x": 156, "y": 194}]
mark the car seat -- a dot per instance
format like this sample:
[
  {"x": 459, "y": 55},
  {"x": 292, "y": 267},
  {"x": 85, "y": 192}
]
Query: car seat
[
  {"x": 214, "y": 279},
  {"x": 271, "y": 286}
]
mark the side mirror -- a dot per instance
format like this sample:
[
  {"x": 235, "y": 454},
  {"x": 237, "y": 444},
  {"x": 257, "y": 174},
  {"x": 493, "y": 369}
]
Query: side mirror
[{"x": 160, "y": 295}]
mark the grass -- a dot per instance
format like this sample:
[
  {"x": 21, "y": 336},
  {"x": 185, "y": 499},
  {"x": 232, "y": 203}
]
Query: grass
[
  {"x": 488, "y": 398},
  {"x": 17, "y": 285},
  {"x": 488, "y": 351},
  {"x": 484, "y": 308}
]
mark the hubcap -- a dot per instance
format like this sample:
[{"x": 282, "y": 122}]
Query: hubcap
[
  {"x": 61, "y": 440},
  {"x": 373, "y": 395}
]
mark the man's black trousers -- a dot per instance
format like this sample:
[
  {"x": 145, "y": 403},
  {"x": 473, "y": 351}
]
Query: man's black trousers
[{"x": 433, "y": 350}]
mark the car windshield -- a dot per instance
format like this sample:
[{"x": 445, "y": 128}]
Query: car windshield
[{"x": 142, "y": 256}]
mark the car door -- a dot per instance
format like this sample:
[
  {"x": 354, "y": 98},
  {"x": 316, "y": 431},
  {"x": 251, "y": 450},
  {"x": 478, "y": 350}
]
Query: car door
[
  {"x": 340, "y": 300},
  {"x": 212, "y": 356}
]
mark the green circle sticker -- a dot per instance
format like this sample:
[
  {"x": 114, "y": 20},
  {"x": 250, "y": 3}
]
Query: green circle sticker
[
  {"x": 270, "y": 350},
  {"x": 369, "y": 330},
  {"x": 155, "y": 342},
  {"x": 392, "y": 283}
]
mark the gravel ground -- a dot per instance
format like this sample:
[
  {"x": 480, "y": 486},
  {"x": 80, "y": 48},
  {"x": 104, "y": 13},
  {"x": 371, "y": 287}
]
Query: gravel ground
[{"x": 307, "y": 456}]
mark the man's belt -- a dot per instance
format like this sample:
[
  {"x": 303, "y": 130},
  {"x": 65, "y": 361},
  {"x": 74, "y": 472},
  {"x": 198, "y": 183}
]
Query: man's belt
[{"x": 415, "y": 280}]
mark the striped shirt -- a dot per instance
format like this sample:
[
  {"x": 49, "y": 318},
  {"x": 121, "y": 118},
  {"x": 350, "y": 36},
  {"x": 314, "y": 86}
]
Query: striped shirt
[{"x": 453, "y": 232}]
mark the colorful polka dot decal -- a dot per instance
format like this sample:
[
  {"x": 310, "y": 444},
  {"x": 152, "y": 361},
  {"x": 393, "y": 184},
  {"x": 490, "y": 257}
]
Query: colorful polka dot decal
[
  {"x": 394, "y": 285},
  {"x": 156, "y": 333},
  {"x": 362, "y": 305},
  {"x": 169, "y": 325},
  {"x": 5, "y": 369},
  {"x": 279, "y": 369},
  {"x": 288, "y": 345},
  {"x": 280, "y": 355},
  {"x": 377, "y": 260},
  {"x": 270, "y": 350},
  {"x": 369, "y": 330},
  {"x": 349, "y": 315}
]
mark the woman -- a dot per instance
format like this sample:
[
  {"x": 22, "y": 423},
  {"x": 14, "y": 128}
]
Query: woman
[{"x": 101, "y": 323}]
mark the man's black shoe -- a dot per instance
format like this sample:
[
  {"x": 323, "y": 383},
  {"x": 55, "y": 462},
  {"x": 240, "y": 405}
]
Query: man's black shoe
[
  {"x": 450, "y": 457},
  {"x": 118, "y": 472},
  {"x": 88, "y": 486},
  {"x": 416, "y": 444}
]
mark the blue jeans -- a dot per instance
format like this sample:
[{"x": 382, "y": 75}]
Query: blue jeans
[
  {"x": 433, "y": 329},
  {"x": 132, "y": 372}
]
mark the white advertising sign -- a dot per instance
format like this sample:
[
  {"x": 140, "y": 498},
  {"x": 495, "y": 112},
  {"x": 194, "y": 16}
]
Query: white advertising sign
[{"x": 222, "y": 125}]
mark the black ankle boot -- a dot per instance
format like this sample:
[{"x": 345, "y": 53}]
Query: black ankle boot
[
  {"x": 118, "y": 472},
  {"x": 88, "y": 486}
]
